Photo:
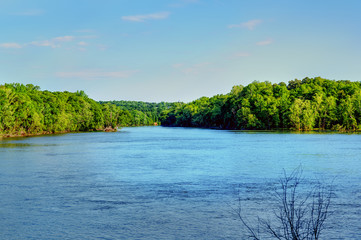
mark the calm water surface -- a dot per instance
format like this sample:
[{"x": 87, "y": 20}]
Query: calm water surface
[{"x": 165, "y": 183}]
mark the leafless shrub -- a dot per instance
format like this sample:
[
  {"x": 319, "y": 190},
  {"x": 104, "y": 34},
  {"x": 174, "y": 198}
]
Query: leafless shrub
[{"x": 299, "y": 215}]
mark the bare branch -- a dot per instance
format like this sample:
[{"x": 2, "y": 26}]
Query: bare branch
[{"x": 301, "y": 214}]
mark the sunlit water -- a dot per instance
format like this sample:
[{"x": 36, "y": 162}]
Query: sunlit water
[{"x": 166, "y": 183}]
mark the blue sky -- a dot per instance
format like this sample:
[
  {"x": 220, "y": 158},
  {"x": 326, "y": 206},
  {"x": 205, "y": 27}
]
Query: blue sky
[{"x": 175, "y": 50}]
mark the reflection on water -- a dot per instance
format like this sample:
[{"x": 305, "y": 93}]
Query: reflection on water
[
  {"x": 15, "y": 145},
  {"x": 21, "y": 145},
  {"x": 165, "y": 183}
]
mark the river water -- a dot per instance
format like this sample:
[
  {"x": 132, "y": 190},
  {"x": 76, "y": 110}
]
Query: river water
[{"x": 167, "y": 183}]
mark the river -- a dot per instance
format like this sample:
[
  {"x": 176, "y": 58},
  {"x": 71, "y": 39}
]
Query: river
[{"x": 167, "y": 183}]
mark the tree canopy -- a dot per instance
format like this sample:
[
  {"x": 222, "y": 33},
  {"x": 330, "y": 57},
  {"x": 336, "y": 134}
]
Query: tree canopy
[
  {"x": 26, "y": 110},
  {"x": 308, "y": 104},
  {"x": 311, "y": 103},
  {"x": 142, "y": 113}
]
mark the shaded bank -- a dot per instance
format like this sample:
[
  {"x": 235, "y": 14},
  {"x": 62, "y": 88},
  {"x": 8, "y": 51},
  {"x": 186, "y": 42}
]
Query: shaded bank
[{"x": 24, "y": 134}]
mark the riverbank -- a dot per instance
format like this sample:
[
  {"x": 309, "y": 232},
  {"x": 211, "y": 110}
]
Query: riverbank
[
  {"x": 25, "y": 134},
  {"x": 285, "y": 130}
]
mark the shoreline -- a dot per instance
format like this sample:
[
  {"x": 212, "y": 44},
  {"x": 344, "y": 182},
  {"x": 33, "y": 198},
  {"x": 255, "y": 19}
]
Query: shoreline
[
  {"x": 44, "y": 133},
  {"x": 108, "y": 129},
  {"x": 273, "y": 130}
]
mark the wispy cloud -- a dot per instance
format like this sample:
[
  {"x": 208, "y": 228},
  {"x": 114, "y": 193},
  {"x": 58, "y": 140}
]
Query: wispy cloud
[
  {"x": 10, "y": 45},
  {"x": 95, "y": 74},
  {"x": 190, "y": 1},
  {"x": 143, "y": 18},
  {"x": 88, "y": 36},
  {"x": 64, "y": 39},
  {"x": 102, "y": 47},
  {"x": 45, "y": 43},
  {"x": 242, "y": 54},
  {"x": 193, "y": 69},
  {"x": 85, "y": 31},
  {"x": 249, "y": 25},
  {"x": 265, "y": 42},
  {"x": 82, "y": 43},
  {"x": 31, "y": 12},
  {"x": 54, "y": 42},
  {"x": 183, "y": 3},
  {"x": 177, "y": 65}
]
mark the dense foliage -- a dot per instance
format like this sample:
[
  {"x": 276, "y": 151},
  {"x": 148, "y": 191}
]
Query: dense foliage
[
  {"x": 25, "y": 110},
  {"x": 311, "y": 103},
  {"x": 144, "y": 113}
]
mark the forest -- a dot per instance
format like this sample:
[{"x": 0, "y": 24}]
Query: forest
[
  {"x": 26, "y": 110},
  {"x": 143, "y": 113},
  {"x": 308, "y": 104}
]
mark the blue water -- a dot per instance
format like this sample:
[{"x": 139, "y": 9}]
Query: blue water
[{"x": 166, "y": 183}]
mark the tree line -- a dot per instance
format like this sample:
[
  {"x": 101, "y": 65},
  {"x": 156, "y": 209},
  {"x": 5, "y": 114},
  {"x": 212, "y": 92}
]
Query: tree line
[
  {"x": 308, "y": 104},
  {"x": 26, "y": 110},
  {"x": 146, "y": 113}
]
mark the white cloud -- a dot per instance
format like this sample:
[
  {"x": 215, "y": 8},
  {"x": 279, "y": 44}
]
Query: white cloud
[
  {"x": 95, "y": 74},
  {"x": 45, "y": 43},
  {"x": 249, "y": 25},
  {"x": 82, "y": 43},
  {"x": 265, "y": 42},
  {"x": 31, "y": 12},
  {"x": 64, "y": 39},
  {"x": 10, "y": 45},
  {"x": 142, "y": 18},
  {"x": 54, "y": 42}
]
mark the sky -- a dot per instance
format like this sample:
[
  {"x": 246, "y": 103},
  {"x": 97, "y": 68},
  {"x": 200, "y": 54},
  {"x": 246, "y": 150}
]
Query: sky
[{"x": 175, "y": 50}]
